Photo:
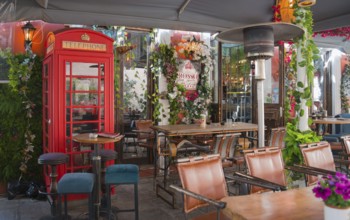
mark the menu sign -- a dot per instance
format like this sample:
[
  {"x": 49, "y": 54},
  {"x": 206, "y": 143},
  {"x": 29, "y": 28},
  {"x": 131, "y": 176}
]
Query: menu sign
[{"x": 188, "y": 74}]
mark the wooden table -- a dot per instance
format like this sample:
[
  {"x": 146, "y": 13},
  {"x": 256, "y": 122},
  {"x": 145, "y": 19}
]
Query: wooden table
[
  {"x": 287, "y": 205},
  {"x": 333, "y": 121},
  {"x": 96, "y": 163},
  {"x": 329, "y": 121},
  {"x": 191, "y": 130},
  {"x": 213, "y": 128}
]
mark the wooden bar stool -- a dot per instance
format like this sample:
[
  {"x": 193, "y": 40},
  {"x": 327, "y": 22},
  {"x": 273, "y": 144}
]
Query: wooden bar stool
[
  {"x": 50, "y": 161},
  {"x": 122, "y": 174}
]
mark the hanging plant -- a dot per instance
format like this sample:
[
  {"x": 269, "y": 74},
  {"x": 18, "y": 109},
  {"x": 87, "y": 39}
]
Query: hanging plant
[{"x": 298, "y": 91}]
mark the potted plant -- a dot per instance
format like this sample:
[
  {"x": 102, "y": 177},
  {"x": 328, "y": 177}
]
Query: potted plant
[{"x": 335, "y": 193}]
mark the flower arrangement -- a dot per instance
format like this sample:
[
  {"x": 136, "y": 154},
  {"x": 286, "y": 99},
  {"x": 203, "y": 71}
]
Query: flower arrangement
[
  {"x": 196, "y": 103},
  {"x": 334, "y": 190},
  {"x": 165, "y": 60}
]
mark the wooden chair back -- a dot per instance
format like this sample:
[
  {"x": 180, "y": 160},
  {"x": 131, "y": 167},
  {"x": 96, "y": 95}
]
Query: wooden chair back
[
  {"x": 202, "y": 175},
  {"x": 317, "y": 155},
  {"x": 265, "y": 163}
]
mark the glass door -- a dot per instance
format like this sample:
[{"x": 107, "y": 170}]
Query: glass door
[
  {"x": 236, "y": 84},
  {"x": 85, "y": 107}
]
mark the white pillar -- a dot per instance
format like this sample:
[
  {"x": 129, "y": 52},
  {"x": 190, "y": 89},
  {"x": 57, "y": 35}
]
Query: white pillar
[{"x": 302, "y": 77}]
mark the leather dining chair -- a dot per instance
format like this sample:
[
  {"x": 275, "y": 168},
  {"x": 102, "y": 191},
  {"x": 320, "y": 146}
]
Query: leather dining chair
[
  {"x": 266, "y": 165},
  {"x": 226, "y": 146},
  {"x": 203, "y": 183},
  {"x": 319, "y": 157},
  {"x": 345, "y": 153}
]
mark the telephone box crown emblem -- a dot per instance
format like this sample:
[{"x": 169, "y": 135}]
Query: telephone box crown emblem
[{"x": 85, "y": 37}]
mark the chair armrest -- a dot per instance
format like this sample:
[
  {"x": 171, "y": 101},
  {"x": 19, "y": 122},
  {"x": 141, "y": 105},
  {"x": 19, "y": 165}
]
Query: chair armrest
[
  {"x": 315, "y": 171},
  {"x": 217, "y": 204},
  {"x": 241, "y": 177}
]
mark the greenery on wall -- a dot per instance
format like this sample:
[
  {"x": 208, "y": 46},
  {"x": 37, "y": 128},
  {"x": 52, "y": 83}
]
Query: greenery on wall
[
  {"x": 343, "y": 98},
  {"x": 21, "y": 118},
  {"x": 298, "y": 91}
]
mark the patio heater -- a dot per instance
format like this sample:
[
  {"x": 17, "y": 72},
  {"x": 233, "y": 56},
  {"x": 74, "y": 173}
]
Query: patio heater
[{"x": 259, "y": 40}]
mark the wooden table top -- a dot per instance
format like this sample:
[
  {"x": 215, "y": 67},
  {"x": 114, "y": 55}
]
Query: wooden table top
[
  {"x": 287, "y": 205},
  {"x": 213, "y": 128},
  {"x": 84, "y": 138},
  {"x": 338, "y": 121}
]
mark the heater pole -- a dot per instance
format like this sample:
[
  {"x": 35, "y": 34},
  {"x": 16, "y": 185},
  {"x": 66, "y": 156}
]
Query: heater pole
[{"x": 260, "y": 76}]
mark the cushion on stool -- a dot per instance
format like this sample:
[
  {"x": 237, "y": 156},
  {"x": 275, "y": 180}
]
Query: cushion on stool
[
  {"x": 122, "y": 174},
  {"x": 106, "y": 154},
  {"x": 76, "y": 183},
  {"x": 52, "y": 158}
]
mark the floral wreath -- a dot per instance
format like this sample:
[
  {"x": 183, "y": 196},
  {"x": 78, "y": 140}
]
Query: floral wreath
[{"x": 191, "y": 104}]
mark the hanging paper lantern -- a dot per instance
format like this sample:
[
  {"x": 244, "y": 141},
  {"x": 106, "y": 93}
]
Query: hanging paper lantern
[{"x": 287, "y": 10}]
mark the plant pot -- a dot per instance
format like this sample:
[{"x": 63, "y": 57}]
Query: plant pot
[
  {"x": 3, "y": 188},
  {"x": 332, "y": 213}
]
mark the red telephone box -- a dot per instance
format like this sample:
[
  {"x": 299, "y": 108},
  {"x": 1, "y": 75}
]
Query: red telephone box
[{"x": 78, "y": 93}]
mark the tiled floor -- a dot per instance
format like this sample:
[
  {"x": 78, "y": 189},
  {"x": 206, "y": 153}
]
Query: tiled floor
[{"x": 151, "y": 207}]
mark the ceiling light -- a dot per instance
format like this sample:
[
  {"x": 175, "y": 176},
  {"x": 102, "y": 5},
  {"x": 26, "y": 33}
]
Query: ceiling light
[{"x": 306, "y": 3}]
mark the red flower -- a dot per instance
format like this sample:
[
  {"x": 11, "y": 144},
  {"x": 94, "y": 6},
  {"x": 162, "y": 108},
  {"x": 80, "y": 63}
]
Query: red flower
[{"x": 191, "y": 96}]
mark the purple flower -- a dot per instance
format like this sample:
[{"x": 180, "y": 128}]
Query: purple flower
[
  {"x": 334, "y": 190},
  {"x": 321, "y": 192}
]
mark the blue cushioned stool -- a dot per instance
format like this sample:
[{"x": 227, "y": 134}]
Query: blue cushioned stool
[
  {"x": 76, "y": 183},
  {"x": 122, "y": 174}
]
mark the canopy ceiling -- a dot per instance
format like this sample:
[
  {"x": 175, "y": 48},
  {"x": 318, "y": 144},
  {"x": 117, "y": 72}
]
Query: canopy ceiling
[{"x": 198, "y": 15}]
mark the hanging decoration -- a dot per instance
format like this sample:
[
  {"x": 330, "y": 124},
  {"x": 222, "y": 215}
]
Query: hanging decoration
[
  {"x": 283, "y": 11},
  {"x": 192, "y": 104},
  {"x": 338, "y": 32}
]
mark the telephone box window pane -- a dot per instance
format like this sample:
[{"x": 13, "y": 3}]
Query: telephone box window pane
[
  {"x": 102, "y": 99},
  {"x": 102, "y": 85},
  {"x": 67, "y": 130},
  {"x": 85, "y": 114},
  {"x": 102, "y": 110},
  {"x": 67, "y": 83},
  {"x": 84, "y": 69},
  {"x": 85, "y": 128},
  {"x": 84, "y": 99},
  {"x": 68, "y": 103},
  {"x": 68, "y": 114},
  {"x": 67, "y": 68},
  {"x": 102, "y": 69},
  {"x": 84, "y": 84},
  {"x": 46, "y": 101}
]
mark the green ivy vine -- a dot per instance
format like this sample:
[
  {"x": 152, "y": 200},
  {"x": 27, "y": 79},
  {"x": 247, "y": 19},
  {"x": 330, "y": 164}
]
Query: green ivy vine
[
  {"x": 343, "y": 98},
  {"x": 21, "y": 104},
  {"x": 297, "y": 91}
]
